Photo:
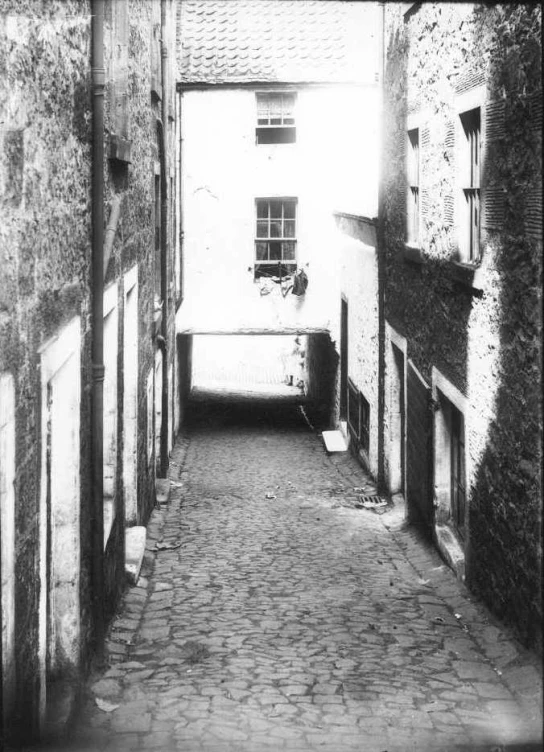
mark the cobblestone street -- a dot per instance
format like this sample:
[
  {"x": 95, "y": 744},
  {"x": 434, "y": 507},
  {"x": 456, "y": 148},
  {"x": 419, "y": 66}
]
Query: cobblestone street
[{"x": 272, "y": 613}]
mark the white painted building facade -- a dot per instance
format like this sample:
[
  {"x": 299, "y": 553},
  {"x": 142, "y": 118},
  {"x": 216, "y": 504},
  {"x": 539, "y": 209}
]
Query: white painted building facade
[
  {"x": 225, "y": 173},
  {"x": 325, "y": 159}
]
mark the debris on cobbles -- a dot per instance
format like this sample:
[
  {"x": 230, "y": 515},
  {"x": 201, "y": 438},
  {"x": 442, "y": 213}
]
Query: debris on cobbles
[
  {"x": 194, "y": 652},
  {"x": 107, "y": 707},
  {"x": 269, "y": 496},
  {"x": 166, "y": 546}
]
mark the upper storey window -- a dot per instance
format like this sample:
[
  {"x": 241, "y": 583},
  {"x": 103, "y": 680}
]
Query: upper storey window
[
  {"x": 469, "y": 179},
  {"x": 276, "y": 118},
  {"x": 413, "y": 186}
]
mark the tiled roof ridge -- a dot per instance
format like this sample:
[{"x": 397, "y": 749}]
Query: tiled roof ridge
[{"x": 235, "y": 41}]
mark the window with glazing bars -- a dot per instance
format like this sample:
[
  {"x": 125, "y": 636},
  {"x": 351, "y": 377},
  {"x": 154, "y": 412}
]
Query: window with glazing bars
[
  {"x": 470, "y": 186},
  {"x": 458, "y": 482},
  {"x": 413, "y": 187},
  {"x": 276, "y": 118},
  {"x": 365, "y": 424},
  {"x": 275, "y": 237}
]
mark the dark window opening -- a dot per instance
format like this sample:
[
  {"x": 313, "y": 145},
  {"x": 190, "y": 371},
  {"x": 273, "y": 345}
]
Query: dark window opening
[
  {"x": 276, "y": 135},
  {"x": 354, "y": 417},
  {"x": 344, "y": 344},
  {"x": 358, "y": 416},
  {"x": 458, "y": 482},
  {"x": 365, "y": 423}
]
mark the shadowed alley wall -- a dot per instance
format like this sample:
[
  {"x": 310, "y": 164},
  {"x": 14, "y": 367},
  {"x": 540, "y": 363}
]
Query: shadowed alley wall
[{"x": 472, "y": 329}]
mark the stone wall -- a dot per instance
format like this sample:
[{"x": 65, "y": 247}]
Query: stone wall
[
  {"x": 45, "y": 231},
  {"x": 45, "y": 258},
  {"x": 479, "y": 326},
  {"x": 356, "y": 249}
]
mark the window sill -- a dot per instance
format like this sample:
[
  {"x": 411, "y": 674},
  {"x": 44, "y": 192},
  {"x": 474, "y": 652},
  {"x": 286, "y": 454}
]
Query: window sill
[
  {"x": 468, "y": 275},
  {"x": 120, "y": 149},
  {"x": 412, "y": 253}
]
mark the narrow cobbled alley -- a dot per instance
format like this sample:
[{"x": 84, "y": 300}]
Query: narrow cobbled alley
[{"x": 273, "y": 613}]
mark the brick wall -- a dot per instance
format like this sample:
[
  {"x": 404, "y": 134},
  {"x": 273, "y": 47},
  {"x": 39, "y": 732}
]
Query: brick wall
[{"x": 479, "y": 326}]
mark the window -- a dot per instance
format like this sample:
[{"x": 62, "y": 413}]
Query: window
[
  {"x": 413, "y": 187},
  {"x": 158, "y": 239},
  {"x": 275, "y": 237},
  {"x": 359, "y": 416},
  {"x": 365, "y": 423},
  {"x": 458, "y": 489},
  {"x": 469, "y": 245},
  {"x": 276, "y": 118}
]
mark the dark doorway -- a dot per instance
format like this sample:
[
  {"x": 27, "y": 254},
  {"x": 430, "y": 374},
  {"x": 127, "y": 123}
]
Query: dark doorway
[
  {"x": 344, "y": 360},
  {"x": 419, "y": 449}
]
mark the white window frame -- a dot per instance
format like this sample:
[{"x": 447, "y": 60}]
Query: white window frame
[
  {"x": 413, "y": 216},
  {"x": 414, "y": 122},
  {"x": 284, "y": 130},
  {"x": 469, "y": 181},
  {"x": 286, "y": 113},
  {"x": 290, "y": 263}
]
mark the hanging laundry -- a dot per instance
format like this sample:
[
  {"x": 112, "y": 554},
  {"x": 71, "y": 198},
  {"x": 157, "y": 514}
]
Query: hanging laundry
[
  {"x": 300, "y": 282},
  {"x": 266, "y": 285}
]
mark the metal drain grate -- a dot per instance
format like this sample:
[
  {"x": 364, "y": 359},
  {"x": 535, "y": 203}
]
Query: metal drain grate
[{"x": 372, "y": 502}]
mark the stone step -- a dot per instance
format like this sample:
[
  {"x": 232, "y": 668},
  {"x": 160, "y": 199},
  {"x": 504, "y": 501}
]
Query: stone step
[
  {"x": 162, "y": 490},
  {"x": 334, "y": 441},
  {"x": 134, "y": 552}
]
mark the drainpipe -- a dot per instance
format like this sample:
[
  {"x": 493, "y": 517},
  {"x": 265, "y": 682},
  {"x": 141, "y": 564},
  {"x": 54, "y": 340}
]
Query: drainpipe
[
  {"x": 163, "y": 139},
  {"x": 97, "y": 426},
  {"x": 381, "y": 269}
]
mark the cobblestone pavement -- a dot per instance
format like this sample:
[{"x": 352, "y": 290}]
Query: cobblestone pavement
[{"x": 275, "y": 615}]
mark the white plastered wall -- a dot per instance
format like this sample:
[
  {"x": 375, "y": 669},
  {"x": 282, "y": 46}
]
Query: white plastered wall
[
  {"x": 359, "y": 286},
  {"x": 395, "y": 410},
  {"x": 7, "y": 507},
  {"x": 332, "y": 166},
  {"x": 130, "y": 394},
  {"x": 111, "y": 341},
  {"x": 59, "y": 616}
]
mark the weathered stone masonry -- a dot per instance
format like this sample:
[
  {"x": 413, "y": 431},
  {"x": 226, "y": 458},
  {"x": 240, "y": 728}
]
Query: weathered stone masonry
[
  {"x": 45, "y": 275},
  {"x": 44, "y": 266},
  {"x": 478, "y": 326}
]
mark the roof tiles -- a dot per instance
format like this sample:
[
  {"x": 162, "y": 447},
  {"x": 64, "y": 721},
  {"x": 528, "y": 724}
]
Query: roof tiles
[{"x": 289, "y": 41}]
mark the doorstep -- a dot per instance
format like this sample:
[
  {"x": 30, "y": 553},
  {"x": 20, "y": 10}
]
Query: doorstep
[
  {"x": 334, "y": 441},
  {"x": 162, "y": 490},
  {"x": 134, "y": 552},
  {"x": 450, "y": 549}
]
